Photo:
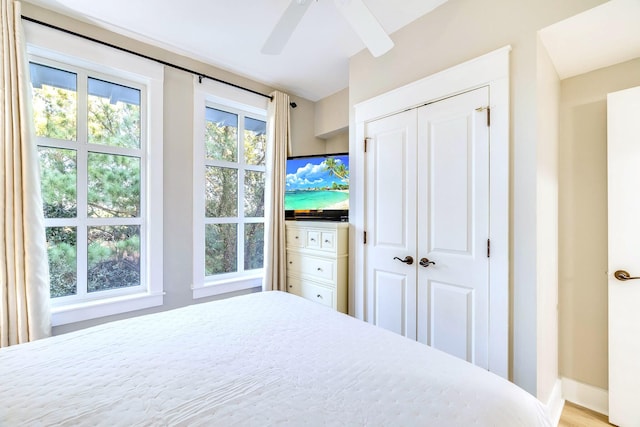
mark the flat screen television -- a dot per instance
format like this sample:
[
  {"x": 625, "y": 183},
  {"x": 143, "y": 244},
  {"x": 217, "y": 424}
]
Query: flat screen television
[{"x": 317, "y": 187}]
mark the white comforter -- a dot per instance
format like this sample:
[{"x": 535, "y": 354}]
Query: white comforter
[{"x": 262, "y": 359}]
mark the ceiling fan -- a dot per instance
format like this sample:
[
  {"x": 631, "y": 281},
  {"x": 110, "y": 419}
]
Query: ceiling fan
[{"x": 355, "y": 12}]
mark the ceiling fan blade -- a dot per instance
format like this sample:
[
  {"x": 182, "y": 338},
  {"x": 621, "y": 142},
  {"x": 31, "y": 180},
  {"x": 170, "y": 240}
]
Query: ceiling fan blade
[
  {"x": 284, "y": 28},
  {"x": 366, "y": 26}
]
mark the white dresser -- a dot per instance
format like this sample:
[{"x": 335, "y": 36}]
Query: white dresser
[{"x": 317, "y": 261}]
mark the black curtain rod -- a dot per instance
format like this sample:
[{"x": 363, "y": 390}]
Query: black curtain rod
[{"x": 160, "y": 61}]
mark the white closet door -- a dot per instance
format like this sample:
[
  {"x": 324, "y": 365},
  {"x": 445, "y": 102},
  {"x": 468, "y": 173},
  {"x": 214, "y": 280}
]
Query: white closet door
[
  {"x": 453, "y": 226},
  {"x": 427, "y": 197},
  {"x": 391, "y": 223}
]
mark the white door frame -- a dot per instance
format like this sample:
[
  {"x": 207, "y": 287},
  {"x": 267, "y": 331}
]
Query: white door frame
[{"x": 491, "y": 69}]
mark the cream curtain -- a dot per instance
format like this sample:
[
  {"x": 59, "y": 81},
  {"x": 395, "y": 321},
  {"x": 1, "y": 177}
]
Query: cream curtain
[
  {"x": 278, "y": 145},
  {"x": 24, "y": 270}
]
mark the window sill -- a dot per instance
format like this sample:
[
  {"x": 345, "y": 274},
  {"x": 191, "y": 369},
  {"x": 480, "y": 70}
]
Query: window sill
[
  {"x": 105, "y": 307},
  {"x": 220, "y": 287}
]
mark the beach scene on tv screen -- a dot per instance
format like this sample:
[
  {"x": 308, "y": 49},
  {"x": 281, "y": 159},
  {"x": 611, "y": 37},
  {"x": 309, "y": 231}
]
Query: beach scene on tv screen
[{"x": 317, "y": 183}]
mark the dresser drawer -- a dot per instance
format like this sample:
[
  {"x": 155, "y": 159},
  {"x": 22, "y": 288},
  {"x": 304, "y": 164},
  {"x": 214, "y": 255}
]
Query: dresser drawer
[
  {"x": 328, "y": 241},
  {"x": 312, "y": 267},
  {"x": 311, "y": 291},
  {"x": 313, "y": 239},
  {"x": 295, "y": 237}
]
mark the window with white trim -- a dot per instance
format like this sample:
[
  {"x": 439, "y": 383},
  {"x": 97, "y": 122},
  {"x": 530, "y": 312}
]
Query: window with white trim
[
  {"x": 234, "y": 192},
  {"x": 93, "y": 125},
  {"x": 229, "y": 191}
]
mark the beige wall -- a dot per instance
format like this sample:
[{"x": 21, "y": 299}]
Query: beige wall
[
  {"x": 332, "y": 114},
  {"x": 455, "y": 32},
  {"x": 583, "y": 220}
]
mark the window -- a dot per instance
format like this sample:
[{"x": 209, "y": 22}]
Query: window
[
  {"x": 93, "y": 126},
  {"x": 229, "y": 191}
]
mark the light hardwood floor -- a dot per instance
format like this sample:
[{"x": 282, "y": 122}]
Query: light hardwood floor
[{"x": 577, "y": 416}]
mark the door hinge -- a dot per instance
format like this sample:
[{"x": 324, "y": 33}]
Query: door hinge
[
  {"x": 365, "y": 143},
  {"x": 488, "y": 248},
  {"x": 488, "y": 109},
  {"x": 365, "y": 238}
]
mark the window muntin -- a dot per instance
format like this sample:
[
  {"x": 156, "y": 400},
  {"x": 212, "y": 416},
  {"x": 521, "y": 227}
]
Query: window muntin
[
  {"x": 234, "y": 186},
  {"x": 92, "y": 151}
]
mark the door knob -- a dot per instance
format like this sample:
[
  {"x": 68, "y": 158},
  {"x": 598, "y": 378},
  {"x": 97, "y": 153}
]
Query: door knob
[
  {"x": 623, "y": 276},
  {"x": 425, "y": 262},
  {"x": 407, "y": 260}
]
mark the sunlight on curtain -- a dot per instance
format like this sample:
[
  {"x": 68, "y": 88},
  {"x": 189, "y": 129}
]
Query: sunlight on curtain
[
  {"x": 278, "y": 144},
  {"x": 24, "y": 270}
]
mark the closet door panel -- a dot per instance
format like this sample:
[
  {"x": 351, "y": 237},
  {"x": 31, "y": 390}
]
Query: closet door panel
[
  {"x": 453, "y": 226},
  {"x": 391, "y": 222}
]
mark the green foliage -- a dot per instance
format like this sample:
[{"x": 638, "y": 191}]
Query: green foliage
[
  {"x": 254, "y": 187},
  {"x": 336, "y": 169},
  {"x": 114, "y": 186},
  {"x": 113, "y": 257},
  {"x": 253, "y": 246},
  {"x": 58, "y": 182},
  {"x": 62, "y": 260},
  {"x": 255, "y": 147},
  {"x": 221, "y": 142},
  {"x": 221, "y": 248},
  {"x": 117, "y": 125},
  {"x": 55, "y": 112},
  {"x": 221, "y": 192}
]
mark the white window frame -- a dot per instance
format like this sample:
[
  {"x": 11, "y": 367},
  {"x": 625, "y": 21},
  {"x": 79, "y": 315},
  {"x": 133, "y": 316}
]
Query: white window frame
[
  {"x": 60, "y": 50},
  {"x": 223, "y": 97}
]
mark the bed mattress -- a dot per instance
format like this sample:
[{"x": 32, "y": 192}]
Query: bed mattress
[{"x": 268, "y": 358}]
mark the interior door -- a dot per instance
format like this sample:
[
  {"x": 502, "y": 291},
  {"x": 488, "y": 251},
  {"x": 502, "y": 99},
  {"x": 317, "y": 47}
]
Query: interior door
[
  {"x": 623, "y": 158},
  {"x": 453, "y": 226},
  {"x": 391, "y": 223},
  {"x": 427, "y": 198}
]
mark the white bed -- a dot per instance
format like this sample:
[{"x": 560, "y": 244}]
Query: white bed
[{"x": 263, "y": 359}]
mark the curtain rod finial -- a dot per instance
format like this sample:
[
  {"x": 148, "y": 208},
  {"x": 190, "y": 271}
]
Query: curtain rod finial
[{"x": 293, "y": 104}]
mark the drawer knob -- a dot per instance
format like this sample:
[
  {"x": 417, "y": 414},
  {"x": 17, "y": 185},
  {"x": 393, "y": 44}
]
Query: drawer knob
[
  {"x": 313, "y": 240},
  {"x": 319, "y": 296},
  {"x": 319, "y": 269}
]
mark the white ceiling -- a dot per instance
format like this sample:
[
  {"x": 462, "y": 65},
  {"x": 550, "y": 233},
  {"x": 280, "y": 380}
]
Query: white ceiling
[{"x": 230, "y": 34}]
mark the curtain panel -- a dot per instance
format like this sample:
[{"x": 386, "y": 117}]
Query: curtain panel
[
  {"x": 278, "y": 145},
  {"x": 24, "y": 270}
]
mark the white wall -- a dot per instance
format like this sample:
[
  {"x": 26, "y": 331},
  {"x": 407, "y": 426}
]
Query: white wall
[{"x": 548, "y": 119}]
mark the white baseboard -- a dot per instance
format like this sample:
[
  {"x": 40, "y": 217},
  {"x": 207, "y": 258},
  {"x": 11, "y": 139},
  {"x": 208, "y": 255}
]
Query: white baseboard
[
  {"x": 594, "y": 398},
  {"x": 555, "y": 403}
]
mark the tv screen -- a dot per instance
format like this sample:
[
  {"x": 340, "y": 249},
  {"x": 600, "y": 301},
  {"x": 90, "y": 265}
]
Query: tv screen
[{"x": 317, "y": 187}]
